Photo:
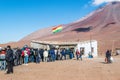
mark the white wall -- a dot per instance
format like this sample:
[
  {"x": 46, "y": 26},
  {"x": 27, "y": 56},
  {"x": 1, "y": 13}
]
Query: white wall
[
  {"x": 37, "y": 45},
  {"x": 87, "y": 47}
]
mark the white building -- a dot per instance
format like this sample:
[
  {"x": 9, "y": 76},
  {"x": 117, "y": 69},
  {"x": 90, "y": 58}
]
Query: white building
[{"x": 88, "y": 47}]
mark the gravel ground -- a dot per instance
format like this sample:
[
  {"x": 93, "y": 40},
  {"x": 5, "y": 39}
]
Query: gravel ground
[{"x": 88, "y": 69}]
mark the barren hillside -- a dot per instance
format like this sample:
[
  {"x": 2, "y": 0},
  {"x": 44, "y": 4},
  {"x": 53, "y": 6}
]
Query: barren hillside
[{"x": 103, "y": 25}]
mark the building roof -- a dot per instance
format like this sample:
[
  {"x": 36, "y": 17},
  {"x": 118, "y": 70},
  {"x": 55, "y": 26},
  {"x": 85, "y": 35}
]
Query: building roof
[
  {"x": 59, "y": 42},
  {"x": 55, "y": 42}
]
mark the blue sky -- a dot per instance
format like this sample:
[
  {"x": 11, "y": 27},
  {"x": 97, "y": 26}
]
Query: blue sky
[{"x": 18, "y": 18}]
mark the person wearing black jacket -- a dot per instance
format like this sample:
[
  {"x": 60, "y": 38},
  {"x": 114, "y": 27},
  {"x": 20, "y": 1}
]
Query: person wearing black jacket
[
  {"x": 9, "y": 60},
  {"x": 41, "y": 54},
  {"x": 108, "y": 55},
  {"x": 18, "y": 56}
]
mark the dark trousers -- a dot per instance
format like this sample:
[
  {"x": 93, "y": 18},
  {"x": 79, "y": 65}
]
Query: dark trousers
[
  {"x": 42, "y": 57},
  {"x": 19, "y": 60},
  {"x": 63, "y": 56},
  {"x": 10, "y": 67},
  {"x": 77, "y": 56},
  {"x": 37, "y": 59},
  {"x": 108, "y": 60},
  {"x": 53, "y": 57}
]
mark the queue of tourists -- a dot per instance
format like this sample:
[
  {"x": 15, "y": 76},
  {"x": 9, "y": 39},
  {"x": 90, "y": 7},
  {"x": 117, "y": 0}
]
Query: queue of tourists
[{"x": 14, "y": 57}]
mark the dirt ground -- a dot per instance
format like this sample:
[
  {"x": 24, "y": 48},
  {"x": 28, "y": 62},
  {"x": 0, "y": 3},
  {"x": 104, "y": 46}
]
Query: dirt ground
[{"x": 88, "y": 69}]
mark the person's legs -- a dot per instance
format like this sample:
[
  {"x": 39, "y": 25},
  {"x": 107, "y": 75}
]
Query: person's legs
[
  {"x": 32, "y": 57},
  {"x": 109, "y": 61},
  {"x": 65, "y": 57},
  {"x": 81, "y": 57},
  {"x": 4, "y": 64},
  {"x": 77, "y": 57},
  {"x": 71, "y": 55},
  {"x": 8, "y": 66},
  {"x": 1, "y": 65},
  {"x": 44, "y": 59},
  {"x": 58, "y": 57},
  {"x": 54, "y": 57},
  {"x": 19, "y": 61},
  {"x": 11, "y": 67},
  {"x": 37, "y": 59},
  {"x": 61, "y": 57},
  {"x": 25, "y": 60}
]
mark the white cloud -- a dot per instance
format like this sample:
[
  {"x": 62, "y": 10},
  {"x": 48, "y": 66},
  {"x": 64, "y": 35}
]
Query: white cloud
[{"x": 98, "y": 2}]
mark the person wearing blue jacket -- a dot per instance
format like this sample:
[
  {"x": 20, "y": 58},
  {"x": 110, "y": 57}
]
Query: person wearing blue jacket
[
  {"x": 63, "y": 54},
  {"x": 52, "y": 53}
]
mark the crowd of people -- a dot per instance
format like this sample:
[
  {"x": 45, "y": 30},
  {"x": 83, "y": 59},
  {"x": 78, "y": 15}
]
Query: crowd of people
[{"x": 14, "y": 57}]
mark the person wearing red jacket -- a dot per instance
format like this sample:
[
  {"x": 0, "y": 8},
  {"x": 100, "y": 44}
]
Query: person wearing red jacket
[{"x": 77, "y": 54}]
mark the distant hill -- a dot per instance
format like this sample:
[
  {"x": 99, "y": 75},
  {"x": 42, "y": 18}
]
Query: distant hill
[
  {"x": 102, "y": 25},
  {"x": 105, "y": 20}
]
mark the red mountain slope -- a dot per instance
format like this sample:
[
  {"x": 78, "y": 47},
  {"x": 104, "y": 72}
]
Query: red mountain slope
[
  {"x": 102, "y": 21},
  {"x": 102, "y": 25}
]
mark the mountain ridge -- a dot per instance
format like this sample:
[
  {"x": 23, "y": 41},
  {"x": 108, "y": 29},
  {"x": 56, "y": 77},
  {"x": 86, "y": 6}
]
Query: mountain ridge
[{"x": 101, "y": 25}]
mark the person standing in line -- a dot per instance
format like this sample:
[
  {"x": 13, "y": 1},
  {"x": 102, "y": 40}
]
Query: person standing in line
[
  {"x": 37, "y": 56},
  {"x": 81, "y": 53},
  {"x": 2, "y": 59},
  {"x": 58, "y": 54},
  {"x": 52, "y": 54},
  {"x": 31, "y": 55},
  {"x": 18, "y": 56},
  {"x": 45, "y": 54},
  {"x": 71, "y": 54},
  {"x": 77, "y": 54},
  {"x": 63, "y": 54},
  {"x": 9, "y": 59},
  {"x": 25, "y": 57},
  {"x": 41, "y": 54}
]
